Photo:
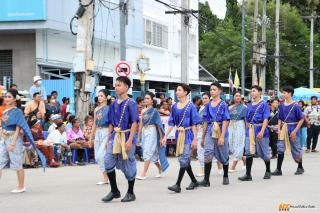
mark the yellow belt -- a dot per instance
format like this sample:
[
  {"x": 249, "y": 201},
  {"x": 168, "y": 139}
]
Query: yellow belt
[
  {"x": 252, "y": 138},
  {"x": 181, "y": 140},
  {"x": 6, "y": 134},
  {"x": 284, "y": 136},
  {"x": 119, "y": 143},
  {"x": 216, "y": 131}
]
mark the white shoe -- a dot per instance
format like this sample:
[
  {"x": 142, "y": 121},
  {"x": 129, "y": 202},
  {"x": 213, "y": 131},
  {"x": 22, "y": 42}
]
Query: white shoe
[
  {"x": 200, "y": 175},
  {"x": 141, "y": 178},
  {"x": 16, "y": 191},
  {"x": 158, "y": 175},
  {"x": 220, "y": 171},
  {"x": 232, "y": 170},
  {"x": 102, "y": 183}
]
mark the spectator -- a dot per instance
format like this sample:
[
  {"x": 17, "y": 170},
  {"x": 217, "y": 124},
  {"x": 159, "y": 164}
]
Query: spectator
[
  {"x": 65, "y": 105},
  {"x": 45, "y": 147},
  {"x": 54, "y": 95},
  {"x": 197, "y": 102},
  {"x": 87, "y": 130},
  {"x": 14, "y": 86},
  {"x": 35, "y": 108},
  {"x": 312, "y": 117},
  {"x": 303, "y": 129},
  {"x": 76, "y": 140},
  {"x": 54, "y": 119},
  {"x": 69, "y": 124},
  {"x": 52, "y": 107},
  {"x": 164, "y": 109},
  {"x": 2, "y": 107},
  {"x": 58, "y": 137},
  {"x": 273, "y": 127},
  {"x": 113, "y": 98},
  {"x": 139, "y": 101},
  {"x": 36, "y": 87},
  {"x": 170, "y": 102},
  {"x": 66, "y": 118}
]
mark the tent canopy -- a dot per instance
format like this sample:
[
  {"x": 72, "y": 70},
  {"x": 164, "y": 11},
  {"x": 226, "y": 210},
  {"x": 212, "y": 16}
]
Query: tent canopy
[{"x": 304, "y": 94}]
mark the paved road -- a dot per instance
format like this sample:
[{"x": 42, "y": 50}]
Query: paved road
[{"x": 73, "y": 189}]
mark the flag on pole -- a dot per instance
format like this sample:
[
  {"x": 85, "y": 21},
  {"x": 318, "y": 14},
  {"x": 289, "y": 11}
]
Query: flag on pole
[
  {"x": 230, "y": 82},
  {"x": 236, "y": 80}
]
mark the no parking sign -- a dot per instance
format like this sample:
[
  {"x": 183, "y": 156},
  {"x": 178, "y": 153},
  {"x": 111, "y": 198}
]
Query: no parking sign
[{"x": 123, "y": 68}]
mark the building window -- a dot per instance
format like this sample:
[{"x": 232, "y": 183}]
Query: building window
[
  {"x": 6, "y": 67},
  {"x": 155, "y": 34}
]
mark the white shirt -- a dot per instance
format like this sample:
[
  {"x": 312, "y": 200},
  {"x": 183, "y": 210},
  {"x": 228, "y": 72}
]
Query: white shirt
[
  {"x": 52, "y": 128},
  {"x": 56, "y": 137}
]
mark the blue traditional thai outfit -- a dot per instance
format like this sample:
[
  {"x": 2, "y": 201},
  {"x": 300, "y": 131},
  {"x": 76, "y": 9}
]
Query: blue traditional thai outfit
[
  {"x": 151, "y": 132},
  {"x": 255, "y": 116},
  {"x": 185, "y": 118},
  {"x": 128, "y": 111},
  {"x": 237, "y": 130},
  {"x": 10, "y": 120},
  {"x": 290, "y": 115},
  {"x": 212, "y": 114},
  {"x": 102, "y": 123}
]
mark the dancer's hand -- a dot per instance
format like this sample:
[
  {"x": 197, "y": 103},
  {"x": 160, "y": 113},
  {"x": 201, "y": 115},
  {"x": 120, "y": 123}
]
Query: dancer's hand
[
  {"x": 107, "y": 143},
  {"x": 260, "y": 135},
  {"x": 128, "y": 146},
  {"x": 221, "y": 141},
  {"x": 11, "y": 147},
  {"x": 202, "y": 143},
  {"x": 194, "y": 145},
  {"x": 163, "y": 142},
  {"x": 293, "y": 135}
]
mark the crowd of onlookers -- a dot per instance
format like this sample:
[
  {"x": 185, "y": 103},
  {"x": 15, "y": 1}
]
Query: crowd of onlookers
[{"x": 65, "y": 140}]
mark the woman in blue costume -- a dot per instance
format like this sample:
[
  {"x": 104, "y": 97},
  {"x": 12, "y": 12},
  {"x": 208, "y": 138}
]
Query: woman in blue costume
[
  {"x": 11, "y": 144},
  {"x": 100, "y": 132},
  {"x": 151, "y": 132}
]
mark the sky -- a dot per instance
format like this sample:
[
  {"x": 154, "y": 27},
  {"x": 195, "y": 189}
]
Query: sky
[{"x": 218, "y": 7}]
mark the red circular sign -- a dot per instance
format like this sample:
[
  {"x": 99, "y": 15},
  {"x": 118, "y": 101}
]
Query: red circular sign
[{"x": 123, "y": 69}]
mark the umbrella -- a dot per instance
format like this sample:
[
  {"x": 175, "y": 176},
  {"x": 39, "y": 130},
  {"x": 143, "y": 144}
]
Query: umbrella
[{"x": 304, "y": 94}]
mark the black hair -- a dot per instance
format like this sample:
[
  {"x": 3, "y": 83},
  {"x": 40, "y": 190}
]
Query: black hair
[
  {"x": 74, "y": 120},
  {"x": 106, "y": 93},
  {"x": 195, "y": 99},
  {"x": 64, "y": 99},
  {"x": 59, "y": 125},
  {"x": 236, "y": 92},
  {"x": 13, "y": 85},
  {"x": 15, "y": 94},
  {"x": 273, "y": 100},
  {"x": 66, "y": 116},
  {"x": 139, "y": 100},
  {"x": 206, "y": 94},
  {"x": 152, "y": 96},
  {"x": 54, "y": 92},
  {"x": 124, "y": 80},
  {"x": 185, "y": 87},
  {"x": 48, "y": 98},
  {"x": 71, "y": 118},
  {"x": 35, "y": 94},
  {"x": 289, "y": 89},
  {"x": 216, "y": 84},
  {"x": 301, "y": 101},
  {"x": 114, "y": 97},
  {"x": 312, "y": 97},
  {"x": 257, "y": 87},
  {"x": 169, "y": 99}
]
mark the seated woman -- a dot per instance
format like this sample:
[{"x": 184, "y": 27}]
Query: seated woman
[
  {"x": 58, "y": 137},
  {"x": 87, "y": 130},
  {"x": 76, "y": 140},
  {"x": 45, "y": 147}
]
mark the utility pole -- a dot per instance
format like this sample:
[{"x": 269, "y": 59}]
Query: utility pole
[
  {"x": 255, "y": 44},
  {"x": 84, "y": 51},
  {"x": 243, "y": 49},
  {"x": 263, "y": 48},
  {"x": 277, "y": 52},
  {"x": 311, "y": 69},
  {"x": 185, "y": 12},
  {"x": 123, "y": 12},
  {"x": 185, "y": 18}
]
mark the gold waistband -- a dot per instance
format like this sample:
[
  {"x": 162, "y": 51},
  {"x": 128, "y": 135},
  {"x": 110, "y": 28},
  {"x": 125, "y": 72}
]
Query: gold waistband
[{"x": 180, "y": 129}]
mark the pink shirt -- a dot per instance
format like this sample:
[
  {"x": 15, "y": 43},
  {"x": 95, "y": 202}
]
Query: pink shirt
[{"x": 78, "y": 135}]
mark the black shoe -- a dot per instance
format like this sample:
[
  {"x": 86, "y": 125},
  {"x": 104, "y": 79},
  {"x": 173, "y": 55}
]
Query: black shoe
[
  {"x": 175, "y": 188},
  {"x": 204, "y": 183},
  {"x": 128, "y": 198},
  {"x": 109, "y": 197},
  {"x": 245, "y": 178},
  {"x": 267, "y": 175},
  {"x": 277, "y": 172},
  {"x": 225, "y": 181},
  {"x": 299, "y": 171},
  {"x": 192, "y": 185}
]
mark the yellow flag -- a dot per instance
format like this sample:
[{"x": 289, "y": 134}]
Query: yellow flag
[{"x": 236, "y": 80}]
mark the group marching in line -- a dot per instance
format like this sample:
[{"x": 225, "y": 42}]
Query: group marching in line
[{"x": 214, "y": 129}]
